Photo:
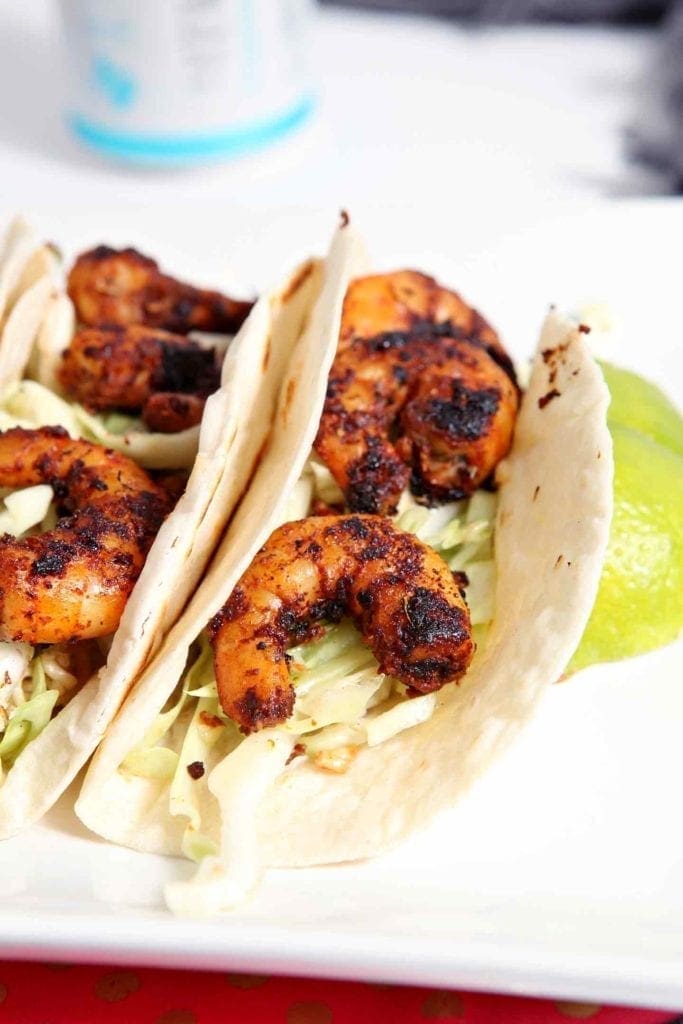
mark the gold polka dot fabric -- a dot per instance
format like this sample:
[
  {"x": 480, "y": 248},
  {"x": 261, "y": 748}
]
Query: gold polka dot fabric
[
  {"x": 578, "y": 1011},
  {"x": 114, "y": 986},
  {"x": 68, "y": 994}
]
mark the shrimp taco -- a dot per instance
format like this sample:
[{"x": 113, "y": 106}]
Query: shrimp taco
[
  {"x": 97, "y": 563},
  {"x": 114, "y": 344},
  {"x": 354, "y": 659}
]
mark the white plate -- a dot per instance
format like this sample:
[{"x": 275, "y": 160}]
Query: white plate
[{"x": 561, "y": 873}]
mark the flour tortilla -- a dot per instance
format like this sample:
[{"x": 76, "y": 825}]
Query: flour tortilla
[
  {"x": 551, "y": 536},
  {"x": 17, "y": 264},
  {"x": 21, "y": 328},
  {"x": 27, "y": 286},
  {"x": 57, "y": 328},
  {"x": 133, "y": 810},
  {"x": 236, "y": 423}
]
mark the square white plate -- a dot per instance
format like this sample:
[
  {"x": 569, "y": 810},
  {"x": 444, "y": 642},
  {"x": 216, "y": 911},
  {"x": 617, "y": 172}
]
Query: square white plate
[{"x": 561, "y": 873}]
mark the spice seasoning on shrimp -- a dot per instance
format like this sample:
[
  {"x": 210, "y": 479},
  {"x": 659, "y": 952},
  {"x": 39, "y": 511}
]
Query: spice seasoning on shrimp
[
  {"x": 421, "y": 394},
  {"x": 400, "y": 593},
  {"x": 131, "y": 354},
  {"x": 120, "y": 287},
  {"x": 72, "y": 582},
  {"x": 165, "y": 377}
]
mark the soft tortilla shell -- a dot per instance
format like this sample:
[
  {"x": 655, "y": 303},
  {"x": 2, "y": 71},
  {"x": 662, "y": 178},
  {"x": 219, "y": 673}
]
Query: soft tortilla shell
[
  {"x": 21, "y": 328},
  {"x": 27, "y": 287},
  {"x": 551, "y": 537},
  {"x": 133, "y": 810},
  {"x": 19, "y": 265},
  {"x": 235, "y": 427},
  {"x": 55, "y": 334}
]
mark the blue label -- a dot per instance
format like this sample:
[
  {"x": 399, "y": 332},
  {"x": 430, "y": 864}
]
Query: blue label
[
  {"x": 114, "y": 82},
  {"x": 151, "y": 148}
]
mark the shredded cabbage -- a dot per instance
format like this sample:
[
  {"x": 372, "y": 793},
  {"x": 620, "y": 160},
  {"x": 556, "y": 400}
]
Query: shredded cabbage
[
  {"x": 25, "y": 509},
  {"x": 326, "y": 487},
  {"x": 130, "y": 436},
  {"x": 481, "y": 578},
  {"x": 201, "y": 726},
  {"x": 152, "y": 763},
  {"x": 103, "y": 427},
  {"x": 29, "y": 404},
  {"x": 202, "y": 733},
  {"x": 31, "y": 689},
  {"x": 334, "y": 737},
  {"x": 25, "y": 724},
  {"x": 15, "y": 662},
  {"x": 403, "y": 715},
  {"x": 196, "y": 846},
  {"x": 149, "y": 759},
  {"x": 299, "y": 501}
]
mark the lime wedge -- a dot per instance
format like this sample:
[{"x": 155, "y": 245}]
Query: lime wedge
[
  {"x": 639, "y": 605},
  {"x": 641, "y": 405}
]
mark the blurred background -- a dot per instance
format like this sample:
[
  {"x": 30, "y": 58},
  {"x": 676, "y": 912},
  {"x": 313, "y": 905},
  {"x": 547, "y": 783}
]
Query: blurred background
[{"x": 497, "y": 102}]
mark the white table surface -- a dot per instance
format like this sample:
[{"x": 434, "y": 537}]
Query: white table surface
[{"x": 411, "y": 110}]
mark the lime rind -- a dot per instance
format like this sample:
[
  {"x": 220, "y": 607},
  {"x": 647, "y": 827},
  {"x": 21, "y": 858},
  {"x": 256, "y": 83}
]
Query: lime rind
[
  {"x": 639, "y": 404},
  {"x": 639, "y": 605}
]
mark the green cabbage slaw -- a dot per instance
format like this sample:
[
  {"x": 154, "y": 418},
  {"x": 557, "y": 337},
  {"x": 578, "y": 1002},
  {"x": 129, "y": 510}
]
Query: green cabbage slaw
[
  {"x": 27, "y": 703},
  {"x": 27, "y": 403},
  {"x": 342, "y": 701},
  {"x": 35, "y": 684}
]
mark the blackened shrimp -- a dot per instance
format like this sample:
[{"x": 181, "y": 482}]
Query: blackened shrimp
[
  {"x": 399, "y": 592},
  {"x": 418, "y": 403},
  {"x": 121, "y": 287},
  {"x": 409, "y": 301},
  {"x": 167, "y": 412},
  {"x": 72, "y": 582},
  {"x": 165, "y": 377}
]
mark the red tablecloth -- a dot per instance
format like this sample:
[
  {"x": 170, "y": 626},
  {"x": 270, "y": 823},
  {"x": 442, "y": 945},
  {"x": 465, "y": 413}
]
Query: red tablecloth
[{"x": 60, "y": 994}]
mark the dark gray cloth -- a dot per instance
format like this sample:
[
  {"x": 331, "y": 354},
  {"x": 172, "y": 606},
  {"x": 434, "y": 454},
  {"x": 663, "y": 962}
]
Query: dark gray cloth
[
  {"x": 656, "y": 135},
  {"x": 657, "y": 138},
  {"x": 522, "y": 10}
]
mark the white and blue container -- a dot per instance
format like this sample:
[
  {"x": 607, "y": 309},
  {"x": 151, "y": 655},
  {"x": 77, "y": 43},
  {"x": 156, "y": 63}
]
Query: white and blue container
[{"x": 180, "y": 81}]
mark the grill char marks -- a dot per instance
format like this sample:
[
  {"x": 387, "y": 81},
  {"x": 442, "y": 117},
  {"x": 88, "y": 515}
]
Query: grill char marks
[
  {"x": 186, "y": 367},
  {"x": 398, "y": 591},
  {"x": 465, "y": 414},
  {"x": 448, "y": 433},
  {"x": 428, "y": 399},
  {"x": 433, "y": 623},
  {"x": 375, "y": 477}
]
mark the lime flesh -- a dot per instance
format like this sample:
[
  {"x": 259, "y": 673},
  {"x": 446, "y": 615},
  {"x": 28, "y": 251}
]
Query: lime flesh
[
  {"x": 639, "y": 605},
  {"x": 641, "y": 405}
]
